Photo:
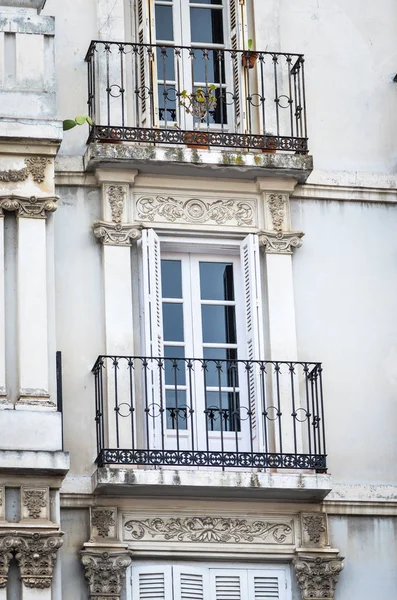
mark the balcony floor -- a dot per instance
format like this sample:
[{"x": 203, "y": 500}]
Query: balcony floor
[
  {"x": 207, "y": 483},
  {"x": 174, "y": 161}
]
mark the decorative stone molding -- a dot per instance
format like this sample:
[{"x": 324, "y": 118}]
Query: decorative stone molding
[
  {"x": 116, "y": 196},
  {"x": 34, "y": 166},
  {"x": 115, "y": 234},
  {"x": 196, "y": 211},
  {"x": 314, "y": 530},
  {"x": 36, "y": 554},
  {"x": 210, "y": 529},
  {"x": 34, "y": 503},
  {"x": 277, "y": 206},
  {"x": 105, "y": 571},
  {"x": 103, "y": 523},
  {"x": 317, "y": 574},
  {"x": 32, "y": 207},
  {"x": 280, "y": 242}
]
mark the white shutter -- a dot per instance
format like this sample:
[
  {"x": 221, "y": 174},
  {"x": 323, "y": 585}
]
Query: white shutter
[
  {"x": 237, "y": 39},
  {"x": 145, "y": 63},
  {"x": 152, "y": 583},
  {"x": 267, "y": 584},
  {"x": 250, "y": 264},
  {"x": 228, "y": 584},
  {"x": 191, "y": 583},
  {"x": 154, "y": 384}
]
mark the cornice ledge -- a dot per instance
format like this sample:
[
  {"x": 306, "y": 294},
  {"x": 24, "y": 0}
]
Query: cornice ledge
[
  {"x": 280, "y": 242},
  {"x": 317, "y": 573},
  {"x": 29, "y": 207},
  {"x": 117, "y": 234}
]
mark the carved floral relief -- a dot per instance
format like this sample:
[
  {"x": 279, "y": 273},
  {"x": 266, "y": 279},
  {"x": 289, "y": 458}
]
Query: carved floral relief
[
  {"x": 277, "y": 205},
  {"x": 34, "y": 503},
  {"x": 103, "y": 521},
  {"x": 314, "y": 529},
  {"x": 34, "y": 166},
  {"x": 210, "y": 530},
  {"x": 116, "y": 197}
]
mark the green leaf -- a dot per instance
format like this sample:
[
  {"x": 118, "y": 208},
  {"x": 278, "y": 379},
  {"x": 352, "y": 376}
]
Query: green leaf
[
  {"x": 80, "y": 120},
  {"x": 68, "y": 124},
  {"x": 90, "y": 121}
]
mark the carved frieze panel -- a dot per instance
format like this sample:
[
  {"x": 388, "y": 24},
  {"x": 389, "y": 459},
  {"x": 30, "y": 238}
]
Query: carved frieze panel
[
  {"x": 35, "y": 503},
  {"x": 230, "y": 212},
  {"x": 314, "y": 530},
  {"x": 103, "y": 523},
  {"x": 209, "y": 529}
]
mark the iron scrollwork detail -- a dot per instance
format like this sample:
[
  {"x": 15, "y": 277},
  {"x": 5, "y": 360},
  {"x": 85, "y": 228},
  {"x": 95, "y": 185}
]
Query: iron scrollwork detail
[{"x": 209, "y": 529}]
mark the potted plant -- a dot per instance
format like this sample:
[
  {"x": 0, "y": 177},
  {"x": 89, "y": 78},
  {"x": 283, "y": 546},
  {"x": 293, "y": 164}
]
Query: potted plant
[
  {"x": 249, "y": 57},
  {"x": 269, "y": 143},
  {"x": 198, "y": 104}
]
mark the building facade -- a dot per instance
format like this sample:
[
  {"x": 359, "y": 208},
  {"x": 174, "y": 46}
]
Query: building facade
[{"x": 197, "y": 300}]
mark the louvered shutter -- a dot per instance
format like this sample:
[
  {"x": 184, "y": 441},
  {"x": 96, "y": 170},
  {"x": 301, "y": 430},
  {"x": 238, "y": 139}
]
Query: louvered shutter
[
  {"x": 250, "y": 261},
  {"x": 153, "y": 334},
  {"x": 228, "y": 584},
  {"x": 268, "y": 584},
  {"x": 152, "y": 583},
  {"x": 191, "y": 583},
  {"x": 145, "y": 63},
  {"x": 237, "y": 41}
]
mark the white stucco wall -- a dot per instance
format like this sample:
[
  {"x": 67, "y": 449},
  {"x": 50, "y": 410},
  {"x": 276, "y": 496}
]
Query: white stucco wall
[{"x": 345, "y": 295}]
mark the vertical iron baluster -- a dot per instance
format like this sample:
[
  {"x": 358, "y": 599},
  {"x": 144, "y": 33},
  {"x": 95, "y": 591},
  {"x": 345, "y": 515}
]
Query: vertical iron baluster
[
  {"x": 299, "y": 102},
  {"x": 317, "y": 412},
  {"x": 207, "y": 83},
  {"x": 264, "y": 404},
  {"x": 160, "y": 366},
  {"x": 150, "y": 56},
  {"x": 95, "y": 100},
  {"x": 192, "y": 59},
  {"x": 263, "y": 98},
  {"x": 97, "y": 411},
  {"x": 294, "y": 415},
  {"x": 248, "y": 99},
  {"x": 279, "y": 414},
  {"x": 165, "y": 88},
  {"x": 206, "y": 404},
  {"x": 116, "y": 399},
  {"x": 174, "y": 366},
  {"x": 132, "y": 409},
  {"x": 101, "y": 405},
  {"x": 320, "y": 370},
  {"x": 236, "y": 95},
  {"x": 145, "y": 366},
  {"x": 313, "y": 412},
  {"x": 295, "y": 74},
  {"x": 302, "y": 62},
  {"x": 107, "y": 50},
  {"x": 177, "y": 66},
  {"x": 222, "y": 96},
  {"x": 308, "y": 414},
  {"x": 138, "y": 104},
  {"x": 248, "y": 369},
  {"x": 237, "y": 415},
  {"x": 191, "y": 410},
  {"x": 291, "y": 112},
  {"x": 276, "y": 98},
  {"x": 218, "y": 364},
  {"x": 122, "y": 90}
]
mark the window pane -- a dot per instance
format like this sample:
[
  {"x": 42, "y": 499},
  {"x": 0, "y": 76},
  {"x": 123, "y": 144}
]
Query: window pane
[
  {"x": 176, "y": 409},
  {"x": 206, "y": 25},
  {"x": 207, "y": 69},
  {"x": 173, "y": 322},
  {"x": 165, "y": 63},
  {"x": 221, "y": 368},
  {"x": 206, "y": 2},
  {"x": 223, "y": 408},
  {"x": 164, "y": 26},
  {"x": 175, "y": 373},
  {"x": 219, "y": 324},
  {"x": 216, "y": 281},
  {"x": 171, "y": 279}
]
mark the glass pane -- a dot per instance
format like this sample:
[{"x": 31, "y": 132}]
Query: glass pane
[
  {"x": 206, "y": 25},
  {"x": 221, "y": 370},
  {"x": 206, "y": 2},
  {"x": 207, "y": 69},
  {"x": 219, "y": 324},
  {"x": 165, "y": 63},
  {"x": 164, "y": 26},
  {"x": 171, "y": 279},
  {"x": 216, "y": 281},
  {"x": 176, "y": 409},
  {"x": 173, "y": 322},
  {"x": 223, "y": 408},
  {"x": 175, "y": 373},
  {"x": 167, "y": 107}
]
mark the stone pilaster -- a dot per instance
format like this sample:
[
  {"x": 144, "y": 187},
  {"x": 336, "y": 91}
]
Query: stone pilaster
[
  {"x": 105, "y": 570},
  {"x": 317, "y": 573}
]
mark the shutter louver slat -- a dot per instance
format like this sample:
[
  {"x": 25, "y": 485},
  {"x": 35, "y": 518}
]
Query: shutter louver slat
[
  {"x": 192, "y": 587},
  {"x": 228, "y": 587},
  {"x": 266, "y": 587},
  {"x": 151, "y": 586}
]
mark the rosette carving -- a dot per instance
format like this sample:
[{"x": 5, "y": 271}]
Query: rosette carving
[
  {"x": 105, "y": 572},
  {"x": 317, "y": 575},
  {"x": 210, "y": 529}
]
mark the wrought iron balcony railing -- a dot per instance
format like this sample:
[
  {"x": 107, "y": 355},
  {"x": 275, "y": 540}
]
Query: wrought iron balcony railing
[
  {"x": 215, "y": 97},
  {"x": 209, "y": 413}
]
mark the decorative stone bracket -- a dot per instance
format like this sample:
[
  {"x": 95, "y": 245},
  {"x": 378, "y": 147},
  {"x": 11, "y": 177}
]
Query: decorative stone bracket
[
  {"x": 317, "y": 573},
  {"x": 36, "y": 554},
  {"x": 105, "y": 570}
]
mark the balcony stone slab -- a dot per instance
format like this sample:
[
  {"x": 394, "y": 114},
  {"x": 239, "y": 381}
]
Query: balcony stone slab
[
  {"x": 189, "y": 162},
  {"x": 307, "y": 487},
  {"x": 30, "y": 462}
]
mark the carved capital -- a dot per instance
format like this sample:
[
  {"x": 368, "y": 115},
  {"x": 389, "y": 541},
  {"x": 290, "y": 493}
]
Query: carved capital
[
  {"x": 105, "y": 571},
  {"x": 115, "y": 234},
  {"x": 31, "y": 207},
  {"x": 317, "y": 574},
  {"x": 280, "y": 242},
  {"x": 35, "y": 553}
]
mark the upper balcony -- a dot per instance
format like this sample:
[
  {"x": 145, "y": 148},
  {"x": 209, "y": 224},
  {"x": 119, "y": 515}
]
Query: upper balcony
[{"x": 177, "y": 103}]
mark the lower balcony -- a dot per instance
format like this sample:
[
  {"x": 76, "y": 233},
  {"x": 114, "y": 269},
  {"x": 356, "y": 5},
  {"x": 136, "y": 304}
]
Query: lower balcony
[{"x": 207, "y": 414}]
